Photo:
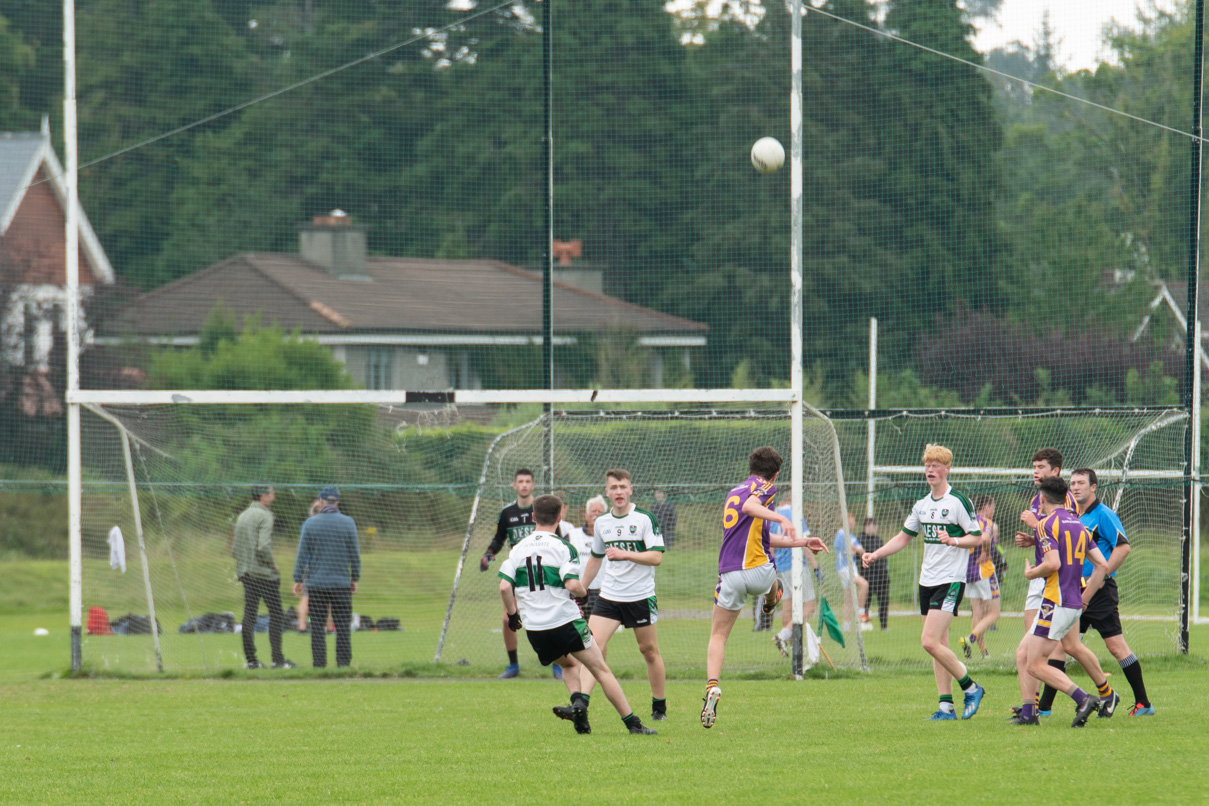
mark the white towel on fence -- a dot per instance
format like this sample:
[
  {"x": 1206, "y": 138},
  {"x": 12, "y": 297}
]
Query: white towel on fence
[{"x": 117, "y": 549}]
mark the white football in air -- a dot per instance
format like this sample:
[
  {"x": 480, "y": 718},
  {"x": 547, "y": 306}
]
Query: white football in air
[
  {"x": 767, "y": 155},
  {"x": 41, "y": 631}
]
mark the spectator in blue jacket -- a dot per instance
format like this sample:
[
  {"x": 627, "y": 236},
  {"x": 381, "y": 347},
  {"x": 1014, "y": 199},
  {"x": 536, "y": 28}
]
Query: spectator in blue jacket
[{"x": 329, "y": 565}]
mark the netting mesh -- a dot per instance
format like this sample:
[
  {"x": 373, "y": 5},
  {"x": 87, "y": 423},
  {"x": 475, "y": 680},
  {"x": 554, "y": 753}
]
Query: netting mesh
[{"x": 411, "y": 480}]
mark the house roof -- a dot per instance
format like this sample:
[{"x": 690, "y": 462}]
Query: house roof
[
  {"x": 22, "y": 155},
  {"x": 396, "y": 296}
]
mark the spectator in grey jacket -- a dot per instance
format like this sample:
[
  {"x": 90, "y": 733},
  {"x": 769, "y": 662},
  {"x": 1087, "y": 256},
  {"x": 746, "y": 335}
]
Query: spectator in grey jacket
[
  {"x": 253, "y": 550},
  {"x": 329, "y": 565}
]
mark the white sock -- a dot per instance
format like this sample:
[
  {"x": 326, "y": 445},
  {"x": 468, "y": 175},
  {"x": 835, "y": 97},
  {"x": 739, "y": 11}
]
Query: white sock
[
  {"x": 863, "y": 613},
  {"x": 785, "y": 634}
]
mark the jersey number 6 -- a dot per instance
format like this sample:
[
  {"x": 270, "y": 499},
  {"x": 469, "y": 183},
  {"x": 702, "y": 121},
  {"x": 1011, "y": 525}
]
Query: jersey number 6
[{"x": 730, "y": 515}]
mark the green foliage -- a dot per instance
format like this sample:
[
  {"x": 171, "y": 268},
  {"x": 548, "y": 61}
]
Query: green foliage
[
  {"x": 16, "y": 58},
  {"x": 259, "y": 358}
]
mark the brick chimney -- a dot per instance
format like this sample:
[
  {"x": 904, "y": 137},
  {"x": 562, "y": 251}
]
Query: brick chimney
[{"x": 334, "y": 242}]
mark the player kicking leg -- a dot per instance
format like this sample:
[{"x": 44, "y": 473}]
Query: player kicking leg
[{"x": 745, "y": 561}]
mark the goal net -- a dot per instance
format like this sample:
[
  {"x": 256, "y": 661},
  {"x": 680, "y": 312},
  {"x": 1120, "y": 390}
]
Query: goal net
[
  {"x": 688, "y": 461},
  {"x": 424, "y": 488},
  {"x": 1138, "y": 455}
]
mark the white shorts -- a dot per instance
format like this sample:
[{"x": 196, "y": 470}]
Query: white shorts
[
  {"x": 786, "y": 578},
  {"x": 735, "y": 586},
  {"x": 1054, "y": 622},
  {"x": 845, "y": 574},
  {"x": 1036, "y": 592},
  {"x": 983, "y": 589}
]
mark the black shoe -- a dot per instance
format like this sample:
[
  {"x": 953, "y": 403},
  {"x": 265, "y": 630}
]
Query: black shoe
[
  {"x": 1016, "y": 711},
  {"x": 284, "y": 664},
  {"x": 1085, "y": 710},
  {"x": 576, "y": 713},
  {"x": 1021, "y": 719},
  {"x": 253, "y": 664},
  {"x": 659, "y": 716},
  {"x": 1109, "y": 707},
  {"x": 642, "y": 730}
]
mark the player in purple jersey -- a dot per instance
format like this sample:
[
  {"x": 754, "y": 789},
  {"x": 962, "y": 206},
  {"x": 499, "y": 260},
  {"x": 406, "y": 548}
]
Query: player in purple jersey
[
  {"x": 982, "y": 585},
  {"x": 1047, "y": 463},
  {"x": 1063, "y": 541},
  {"x": 745, "y": 566}
]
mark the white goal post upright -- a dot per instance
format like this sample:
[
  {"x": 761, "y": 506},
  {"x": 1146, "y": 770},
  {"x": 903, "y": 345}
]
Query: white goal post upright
[
  {"x": 796, "y": 446},
  {"x": 71, "y": 269}
]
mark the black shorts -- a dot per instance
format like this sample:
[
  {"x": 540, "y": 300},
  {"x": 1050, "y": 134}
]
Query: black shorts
[
  {"x": 550, "y": 645},
  {"x": 945, "y": 597},
  {"x": 1102, "y": 611},
  {"x": 642, "y": 613}
]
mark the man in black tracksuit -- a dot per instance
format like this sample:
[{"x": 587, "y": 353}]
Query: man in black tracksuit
[{"x": 878, "y": 574}]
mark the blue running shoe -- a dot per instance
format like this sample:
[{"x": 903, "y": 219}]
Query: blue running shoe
[
  {"x": 972, "y": 701},
  {"x": 1045, "y": 713},
  {"x": 1141, "y": 710},
  {"x": 558, "y": 672},
  {"x": 513, "y": 670},
  {"x": 942, "y": 716}
]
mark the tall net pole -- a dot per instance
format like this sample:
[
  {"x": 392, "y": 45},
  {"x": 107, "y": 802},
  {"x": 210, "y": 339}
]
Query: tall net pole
[
  {"x": 1191, "y": 344},
  {"x": 548, "y": 263},
  {"x": 71, "y": 268}
]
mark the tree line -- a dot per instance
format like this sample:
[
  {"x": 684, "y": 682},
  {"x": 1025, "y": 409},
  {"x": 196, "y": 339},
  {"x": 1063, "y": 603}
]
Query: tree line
[{"x": 990, "y": 227}]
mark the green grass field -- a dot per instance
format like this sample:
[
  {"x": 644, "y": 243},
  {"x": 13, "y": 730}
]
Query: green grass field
[{"x": 450, "y": 737}]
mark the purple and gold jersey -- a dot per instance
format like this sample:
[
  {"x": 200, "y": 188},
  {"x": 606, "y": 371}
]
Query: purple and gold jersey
[
  {"x": 980, "y": 565},
  {"x": 744, "y": 538},
  {"x": 1035, "y": 507},
  {"x": 1063, "y": 532}
]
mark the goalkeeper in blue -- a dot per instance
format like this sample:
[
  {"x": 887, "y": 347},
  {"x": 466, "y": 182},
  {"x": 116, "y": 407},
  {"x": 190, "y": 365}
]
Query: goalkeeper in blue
[{"x": 537, "y": 583}]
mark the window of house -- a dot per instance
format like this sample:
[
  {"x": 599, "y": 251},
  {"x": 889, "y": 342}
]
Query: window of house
[{"x": 378, "y": 367}]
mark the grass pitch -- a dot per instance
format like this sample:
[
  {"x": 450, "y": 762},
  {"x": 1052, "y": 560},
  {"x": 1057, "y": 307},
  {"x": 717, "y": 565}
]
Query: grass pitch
[{"x": 453, "y": 741}]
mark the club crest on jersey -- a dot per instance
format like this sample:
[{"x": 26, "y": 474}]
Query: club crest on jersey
[
  {"x": 1047, "y": 609},
  {"x": 633, "y": 530},
  {"x": 944, "y": 513}
]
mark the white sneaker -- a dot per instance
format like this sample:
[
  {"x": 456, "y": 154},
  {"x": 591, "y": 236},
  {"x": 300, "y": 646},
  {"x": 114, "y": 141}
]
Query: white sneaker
[
  {"x": 709, "y": 712},
  {"x": 866, "y": 627}
]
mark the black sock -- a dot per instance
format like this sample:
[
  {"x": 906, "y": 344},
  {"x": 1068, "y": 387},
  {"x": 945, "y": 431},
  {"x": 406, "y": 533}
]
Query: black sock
[
  {"x": 512, "y": 661},
  {"x": 631, "y": 720},
  {"x": 1132, "y": 667},
  {"x": 1048, "y": 693},
  {"x": 575, "y": 695},
  {"x": 658, "y": 706}
]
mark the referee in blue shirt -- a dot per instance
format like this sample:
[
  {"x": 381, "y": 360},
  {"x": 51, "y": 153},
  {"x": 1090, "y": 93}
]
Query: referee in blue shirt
[{"x": 1102, "y": 611}]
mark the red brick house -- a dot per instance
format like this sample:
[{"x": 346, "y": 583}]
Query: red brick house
[{"x": 33, "y": 297}]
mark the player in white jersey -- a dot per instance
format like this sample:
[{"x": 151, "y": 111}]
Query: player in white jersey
[
  {"x": 581, "y": 538},
  {"x": 628, "y": 542},
  {"x": 946, "y": 519},
  {"x": 537, "y": 582}
]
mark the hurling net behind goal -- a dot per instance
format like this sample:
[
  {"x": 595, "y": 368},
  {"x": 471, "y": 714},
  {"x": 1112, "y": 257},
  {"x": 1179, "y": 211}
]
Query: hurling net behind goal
[
  {"x": 1138, "y": 455},
  {"x": 694, "y": 458}
]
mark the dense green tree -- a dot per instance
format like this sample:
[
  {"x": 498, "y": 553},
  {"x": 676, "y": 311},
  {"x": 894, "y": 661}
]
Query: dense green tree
[{"x": 16, "y": 59}]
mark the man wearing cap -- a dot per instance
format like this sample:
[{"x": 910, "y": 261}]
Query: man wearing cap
[
  {"x": 254, "y": 565},
  {"x": 329, "y": 565}
]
